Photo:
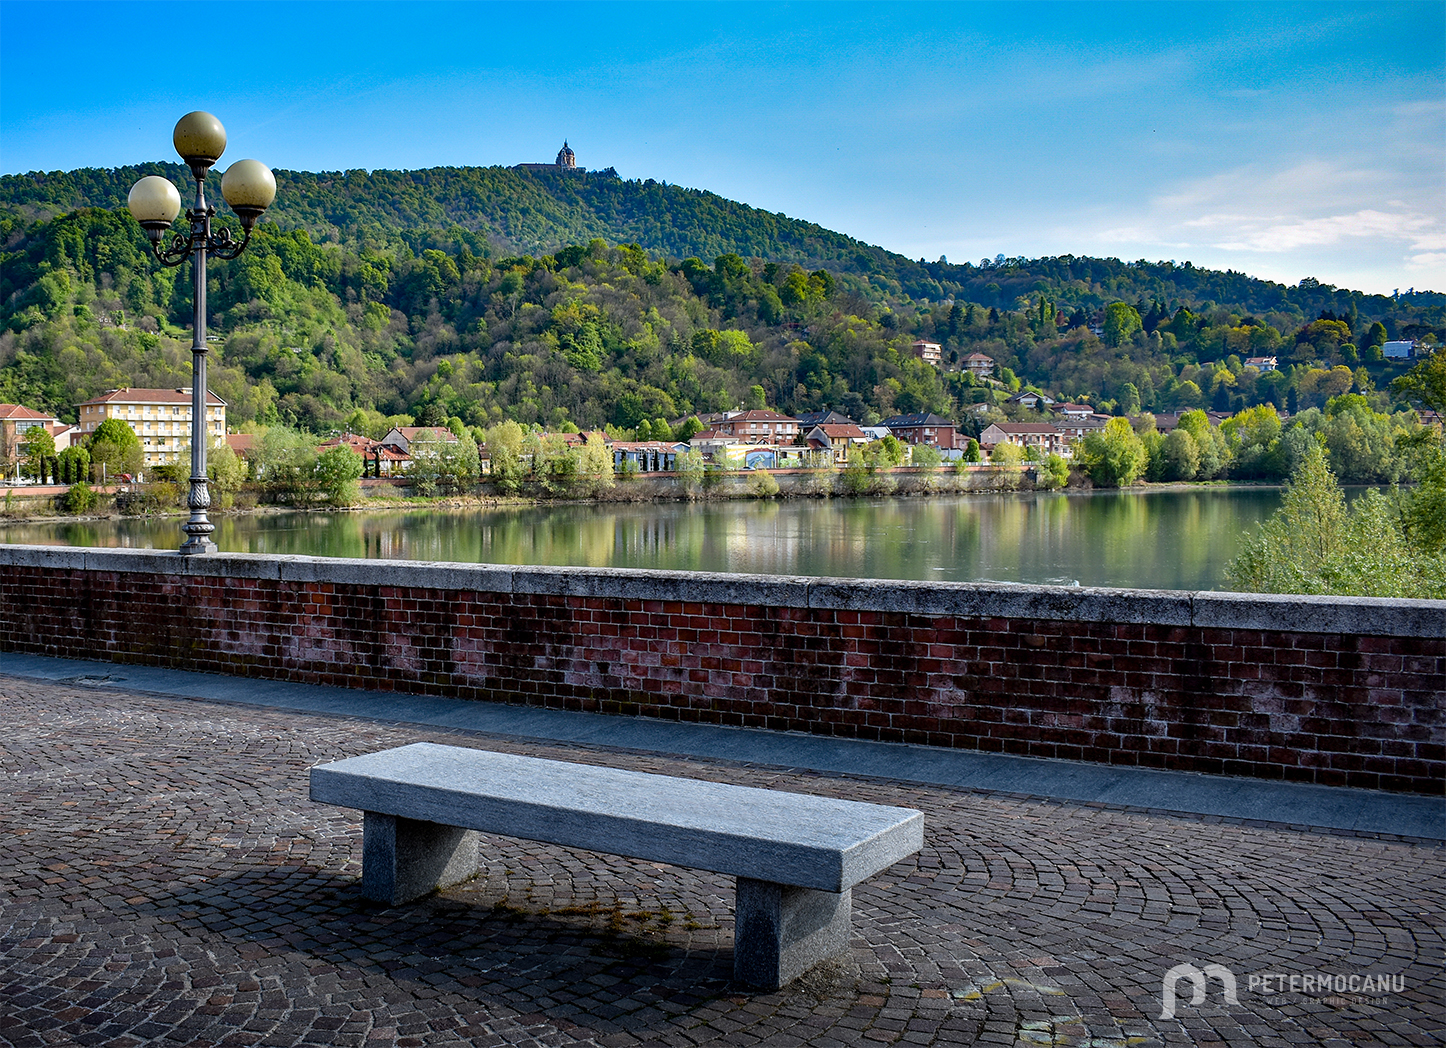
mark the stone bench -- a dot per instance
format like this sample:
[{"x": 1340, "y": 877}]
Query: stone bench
[{"x": 796, "y": 857}]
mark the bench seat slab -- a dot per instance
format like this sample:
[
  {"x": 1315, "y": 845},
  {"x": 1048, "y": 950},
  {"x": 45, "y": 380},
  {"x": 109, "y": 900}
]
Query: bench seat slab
[{"x": 771, "y": 835}]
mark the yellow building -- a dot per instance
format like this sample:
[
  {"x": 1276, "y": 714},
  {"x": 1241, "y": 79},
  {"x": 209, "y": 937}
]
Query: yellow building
[{"x": 160, "y": 417}]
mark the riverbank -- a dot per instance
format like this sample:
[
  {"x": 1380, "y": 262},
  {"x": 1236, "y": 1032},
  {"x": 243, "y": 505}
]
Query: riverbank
[{"x": 37, "y": 505}]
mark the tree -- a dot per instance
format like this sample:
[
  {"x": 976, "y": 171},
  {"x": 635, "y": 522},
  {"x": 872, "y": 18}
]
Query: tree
[
  {"x": 73, "y": 465},
  {"x": 884, "y": 453},
  {"x": 1122, "y": 323},
  {"x": 1313, "y": 544},
  {"x": 1307, "y": 531},
  {"x": 285, "y": 463},
  {"x": 927, "y": 456},
  {"x": 762, "y": 484},
  {"x": 1129, "y": 399},
  {"x": 690, "y": 468},
  {"x": 1423, "y": 517},
  {"x": 1181, "y": 455},
  {"x": 688, "y": 429},
  {"x": 39, "y": 448},
  {"x": 338, "y": 473},
  {"x": 595, "y": 466},
  {"x": 1007, "y": 454},
  {"x": 225, "y": 471},
  {"x": 1214, "y": 451},
  {"x": 1425, "y": 383},
  {"x": 115, "y": 448},
  {"x": 1115, "y": 456},
  {"x": 504, "y": 449},
  {"x": 79, "y": 499},
  {"x": 1054, "y": 474},
  {"x": 1254, "y": 440},
  {"x": 439, "y": 464}
]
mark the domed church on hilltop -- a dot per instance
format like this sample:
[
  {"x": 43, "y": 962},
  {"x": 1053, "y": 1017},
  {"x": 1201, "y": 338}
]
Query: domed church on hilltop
[{"x": 566, "y": 162}]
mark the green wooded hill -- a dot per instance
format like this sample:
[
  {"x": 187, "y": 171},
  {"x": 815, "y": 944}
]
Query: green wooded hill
[{"x": 486, "y": 293}]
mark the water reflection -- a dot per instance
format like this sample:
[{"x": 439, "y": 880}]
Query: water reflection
[{"x": 1166, "y": 539}]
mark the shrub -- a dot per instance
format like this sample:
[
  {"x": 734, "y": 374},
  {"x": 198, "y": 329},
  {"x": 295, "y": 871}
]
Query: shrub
[
  {"x": 79, "y": 499},
  {"x": 762, "y": 484}
]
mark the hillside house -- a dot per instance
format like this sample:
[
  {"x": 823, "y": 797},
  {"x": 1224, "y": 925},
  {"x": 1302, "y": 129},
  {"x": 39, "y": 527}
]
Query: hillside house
[
  {"x": 837, "y": 440},
  {"x": 15, "y": 421},
  {"x": 1075, "y": 428},
  {"x": 758, "y": 426},
  {"x": 1031, "y": 399},
  {"x": 647, "y": 456},
  {"x": 928, "y": 352},
  {"x": 827, "y": 417},
  {"x": 979, "y": 365},
  {"x": 924, "y": 428},
  {"x": 400, "y": 437},
  {"x": 1044, "y": 437}
]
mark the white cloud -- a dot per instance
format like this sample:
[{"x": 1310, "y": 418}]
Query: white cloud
[
  {"x": 1286, "y": 233},
  {"x": 1316, "y": 215}
]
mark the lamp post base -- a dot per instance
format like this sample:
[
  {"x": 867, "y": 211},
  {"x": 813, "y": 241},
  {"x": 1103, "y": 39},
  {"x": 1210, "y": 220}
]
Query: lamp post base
[{"x": 197, "y": 544}]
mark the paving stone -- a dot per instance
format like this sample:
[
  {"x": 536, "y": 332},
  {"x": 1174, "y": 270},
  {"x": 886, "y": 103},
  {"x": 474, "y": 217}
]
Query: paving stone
[{"x": 166, "y": 880}]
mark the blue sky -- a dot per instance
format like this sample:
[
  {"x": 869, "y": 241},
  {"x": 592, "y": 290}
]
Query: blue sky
[{"x": 1283, "y": 140}]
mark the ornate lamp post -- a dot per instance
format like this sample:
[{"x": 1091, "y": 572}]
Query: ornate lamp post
[{"x": 249, "y": 187}]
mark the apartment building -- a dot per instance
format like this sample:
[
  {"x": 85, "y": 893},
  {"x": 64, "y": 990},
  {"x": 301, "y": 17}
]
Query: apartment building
[{"x": 160, "y": 417}]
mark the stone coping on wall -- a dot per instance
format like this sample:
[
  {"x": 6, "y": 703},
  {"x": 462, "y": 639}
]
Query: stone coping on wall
[{"x": 1371, "y": 616}]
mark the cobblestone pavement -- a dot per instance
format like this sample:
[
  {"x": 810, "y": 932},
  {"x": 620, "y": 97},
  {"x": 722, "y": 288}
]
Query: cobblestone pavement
[{"x": 164, "y": 879}]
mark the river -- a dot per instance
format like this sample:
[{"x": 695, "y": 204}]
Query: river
[{"x": 1178, "y": 538}]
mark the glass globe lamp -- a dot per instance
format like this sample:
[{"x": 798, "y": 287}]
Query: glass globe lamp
[
  {"x": 200, "y": 139},
  {"x": 249, "y": 187},
  {"x": 154, "y": 203}
]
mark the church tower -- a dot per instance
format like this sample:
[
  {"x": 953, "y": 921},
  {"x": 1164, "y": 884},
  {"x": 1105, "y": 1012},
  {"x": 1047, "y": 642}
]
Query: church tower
[{"x": 566, "y": 159}]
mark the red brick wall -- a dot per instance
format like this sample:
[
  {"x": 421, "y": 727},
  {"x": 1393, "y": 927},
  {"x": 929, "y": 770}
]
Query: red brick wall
[{"x": 1350, "y": 694}]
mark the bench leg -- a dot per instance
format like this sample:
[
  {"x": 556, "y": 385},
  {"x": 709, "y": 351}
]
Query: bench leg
[
  {"x": 780, "y": 932},
  {"x": 404, "y": 859}
]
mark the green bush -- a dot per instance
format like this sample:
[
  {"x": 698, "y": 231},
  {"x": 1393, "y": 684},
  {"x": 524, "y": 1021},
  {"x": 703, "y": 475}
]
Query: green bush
[
  {"x": 79, "y": 499},
  {"x": 763, "y": 484}
]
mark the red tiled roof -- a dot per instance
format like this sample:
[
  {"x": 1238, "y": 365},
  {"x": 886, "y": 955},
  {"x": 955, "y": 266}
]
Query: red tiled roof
[
  {"x": 835, "y": 431},
  {"x": 441, "y": 432},
  {"x": 1026, "y": 427},
  {"x": 19, "y": 412},
  {"x": 759, "y": 415},
  {"x": 131, "y": 395}
]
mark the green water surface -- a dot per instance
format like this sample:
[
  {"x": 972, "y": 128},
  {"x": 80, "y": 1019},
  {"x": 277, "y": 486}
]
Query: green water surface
[{"x": 1168, "y": 539}]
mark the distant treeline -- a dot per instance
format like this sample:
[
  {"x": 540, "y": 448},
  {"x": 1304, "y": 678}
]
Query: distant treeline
[{"x": 485, "y": 294}]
